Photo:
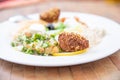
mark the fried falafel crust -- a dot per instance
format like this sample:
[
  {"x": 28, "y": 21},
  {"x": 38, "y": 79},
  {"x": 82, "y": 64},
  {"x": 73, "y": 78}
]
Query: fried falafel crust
[
  {"x": 72, "y": 42},
  {"x": 51, "y": 15}
]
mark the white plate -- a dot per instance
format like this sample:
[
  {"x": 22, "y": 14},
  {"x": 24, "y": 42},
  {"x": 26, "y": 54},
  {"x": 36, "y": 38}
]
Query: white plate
[{"x": 109, "y": 44}]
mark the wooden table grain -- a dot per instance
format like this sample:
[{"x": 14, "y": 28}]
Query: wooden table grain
[{"x": 104, "y": 69}]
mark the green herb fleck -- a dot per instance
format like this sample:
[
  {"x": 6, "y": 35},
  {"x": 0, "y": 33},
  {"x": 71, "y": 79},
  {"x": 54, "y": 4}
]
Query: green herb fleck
[
  {"x": 60, "y": 26},
  {"x": 39, "y": 37},
  {"x": 27, "y": 50},
  {"x": 13, "y": 44}
]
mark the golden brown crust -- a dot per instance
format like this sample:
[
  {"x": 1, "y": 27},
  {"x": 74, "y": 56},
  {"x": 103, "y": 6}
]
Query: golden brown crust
[
  {"x": 72, "y": 42},
  {"x": 51, "y": 15}
]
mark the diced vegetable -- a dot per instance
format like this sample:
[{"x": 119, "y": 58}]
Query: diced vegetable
[
  {"x": 35, "y": 43},
  {"x": 13, "y": 44},
  {"x": 60, "y": 25},
  {"x": 28, "y": 41},
  {"x": 38, "y": 36},
  {"x": 27, "y": 50}
]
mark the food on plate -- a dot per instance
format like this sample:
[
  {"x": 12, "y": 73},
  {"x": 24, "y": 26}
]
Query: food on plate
[
  {"x": 52, "y": 35},
  {"x": 51, "y": 15},
  {"x": 70, "y": 42}
]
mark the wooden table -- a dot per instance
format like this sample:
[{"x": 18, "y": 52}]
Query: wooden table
[{"x": 104, "y": 69}]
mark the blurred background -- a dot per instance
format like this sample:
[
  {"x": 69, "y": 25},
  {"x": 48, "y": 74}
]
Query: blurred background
[
  {"x": 14, "y": 3},
  {"x": 106, "y": 8}
]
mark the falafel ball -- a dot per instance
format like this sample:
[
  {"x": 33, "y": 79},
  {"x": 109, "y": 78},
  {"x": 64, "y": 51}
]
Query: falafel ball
[
  {"x": 72, "y": 42},
  {"x": 51, "y": 15}
]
